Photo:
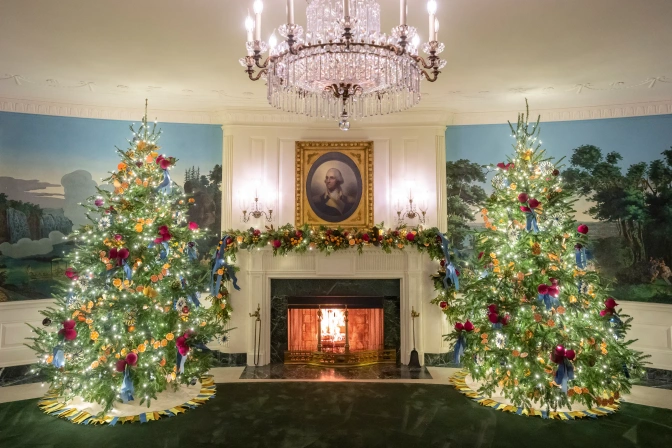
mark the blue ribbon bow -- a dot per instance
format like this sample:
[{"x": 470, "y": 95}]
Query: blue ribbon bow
[
  {"x": 127, "y": 389},
  {"x": 451, "y": 274},
  {"x": 59, "y": 357},
  {"x": 459, "y": 348},
  {"x": 548, "y": 300},
  {"x": 564, "y": 373},
  {"x": 128, "y": 273},
  {"x": 192, "y": 297},
  {"x": 165, "y": 185},
  {"x": 218, "y": 263},
  {"x": 531, "y": 221},
  {"x": 164, "y": 252}
]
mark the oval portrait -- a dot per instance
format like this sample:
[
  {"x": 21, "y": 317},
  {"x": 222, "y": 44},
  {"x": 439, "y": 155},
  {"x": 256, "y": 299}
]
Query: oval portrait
[{"x": 334, "y": 187}]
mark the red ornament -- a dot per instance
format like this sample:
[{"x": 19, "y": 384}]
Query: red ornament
[
  {"x": 71, "y": 273},
  {"x": 442, "y": 263},
  {"x": 132, "y": 359},
  {"x": 480, "y": 255},
  {"x": 256, "y": 232},
  {"x": 277, "y": 244},
  {"x": 533, "y": 203},
  {"x": 610, "y": 303},
  {"x": 163, "y": 230},
  {"x": 180, "y": 341},
  {"x": 69, "y": 334},
  {"x": 554, "y": 281},
  {"x": 183, "y": 349},
  {"x": 118, "y": 237},
  {"x": 365, "y": 237},
  {"x": 157, "y": 240},
  {"x": 69, "y": 324},
  {"x": 165, "y": 163},
  {"x": 193, "y": 226},
  {"x": 459, "y": 326},
  {"x": 523, "y": 197},
  {"x": 492, "y": 308},
  {"x": 505, "y": 319},
  {"x": 553, "y": 291},
  {"x": 582, "y": 229},
  {"x": 558, "y": 354},
  {"x": 123, "y": 253},
  {"x": 185, "y": 309},
  {"x": 468, "y": 326},
  {"x": 542, "y": 289},
  {"x": 505, "y": 167},
  {"x": 556, "y": 172},
  {"x": 493, "y": 317},
  {"x": 524, "y": 208},
  {"x": 410, "y": 236},
  {"x": 570, "y": 354},
  {"x": 121, "y": 365},
  {"x": 443, "y": 305},
  {"x": 159, "y": 159},
  {"x": 229, "y": 240}
]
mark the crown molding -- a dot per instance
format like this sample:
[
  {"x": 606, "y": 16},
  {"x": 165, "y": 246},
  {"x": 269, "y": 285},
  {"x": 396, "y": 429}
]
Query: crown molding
[
  {"x": 568, "y": 114},
  {"x": 269, "y": 117},
  {"x": 104, "y": 112}
]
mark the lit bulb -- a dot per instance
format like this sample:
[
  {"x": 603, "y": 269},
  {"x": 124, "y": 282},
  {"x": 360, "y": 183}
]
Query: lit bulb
[
  {"x": 416, "y": 40},
  {"x": 258, "y": 7},
  {"x": 431, "y": 6},
  {"x": 272, "y": 41},
  {"x": 249, "y": 24}
]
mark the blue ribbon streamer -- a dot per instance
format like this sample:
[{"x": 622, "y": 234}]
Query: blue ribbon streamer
[
  {"x": 451, "y": 274},
  {"x": 193, "y": 297},
  {"x": 164, "y": 186},
  {"x": 564, "y": 373},
  {"x": 180, "y": 362},
  {"x": 218, "y": 263},
  {"x": 127, "y": 389},
  {"x": 581, "y": 257},
  {"x": 548, "y": 300},
  {"x": 531, "y": 221},
  {"x": 164, "y": 252},
  {"x": 59, "y": 357},
  {"x": 459, "y": 348},
  {"x": 127, "y": 270},
  {"x": 191, "y": 252}
]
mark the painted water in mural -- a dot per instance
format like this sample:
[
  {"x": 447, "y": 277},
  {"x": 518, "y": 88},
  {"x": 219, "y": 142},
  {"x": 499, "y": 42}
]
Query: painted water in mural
[
  {"x": 622, "y": 171},
  {"x": 51, "y": 164}
]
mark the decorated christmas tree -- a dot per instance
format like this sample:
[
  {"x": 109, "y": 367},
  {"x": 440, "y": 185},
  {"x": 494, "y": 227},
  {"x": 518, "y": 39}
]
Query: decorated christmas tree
[
  {"x": 535, "y": 322},
  {"x": 129, "y": 322}
]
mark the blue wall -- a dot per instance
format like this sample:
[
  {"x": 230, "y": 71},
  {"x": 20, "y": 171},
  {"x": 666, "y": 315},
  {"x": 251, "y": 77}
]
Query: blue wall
[{"x": 637, "y": 139}]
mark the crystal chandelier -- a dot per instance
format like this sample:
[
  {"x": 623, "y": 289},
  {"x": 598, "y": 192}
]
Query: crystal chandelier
[{"x": 343, "y": 67}]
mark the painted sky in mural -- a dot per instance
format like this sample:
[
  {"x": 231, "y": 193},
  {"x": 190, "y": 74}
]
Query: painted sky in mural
[{"x": 48, "y": 165}]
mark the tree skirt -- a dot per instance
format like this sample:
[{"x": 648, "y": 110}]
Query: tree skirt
[
  {"x": 466, "y": 385},
  {"x": 167, "y": 404}
]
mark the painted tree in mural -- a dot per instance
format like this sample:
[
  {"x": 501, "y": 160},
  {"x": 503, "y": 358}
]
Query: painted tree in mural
[
  {"x": 129, "y": 323},
  {"x": 463, "y": 195},
  {"x": 535, "y": 322}
]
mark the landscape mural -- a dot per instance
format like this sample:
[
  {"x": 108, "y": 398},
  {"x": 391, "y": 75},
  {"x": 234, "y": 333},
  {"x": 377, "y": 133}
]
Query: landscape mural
[
  {"x": 48, "y": 165},
  {"x": 621, "y": 169}
]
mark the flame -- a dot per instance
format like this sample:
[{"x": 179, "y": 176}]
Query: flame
[{"x": 333, "y": 321}]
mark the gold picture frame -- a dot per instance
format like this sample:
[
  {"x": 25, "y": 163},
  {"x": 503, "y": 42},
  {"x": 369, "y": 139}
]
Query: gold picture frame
[{"x": 334, "y": 184}]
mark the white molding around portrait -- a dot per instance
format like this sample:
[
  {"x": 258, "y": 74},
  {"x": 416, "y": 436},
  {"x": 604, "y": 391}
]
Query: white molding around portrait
[{"x": 268, "y": 117}]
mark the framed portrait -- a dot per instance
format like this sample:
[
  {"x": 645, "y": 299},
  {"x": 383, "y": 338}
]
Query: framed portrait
[{"x": 334, "y": 183}]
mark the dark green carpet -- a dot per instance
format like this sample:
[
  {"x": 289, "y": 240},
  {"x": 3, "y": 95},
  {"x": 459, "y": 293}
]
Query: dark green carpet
[{"x": 317, "y": 414}]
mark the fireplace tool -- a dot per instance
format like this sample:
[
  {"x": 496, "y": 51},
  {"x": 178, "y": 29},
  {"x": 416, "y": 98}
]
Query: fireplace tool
[
  {"x": 414, "y": 363},
  {"x": 257, "y": 335}
]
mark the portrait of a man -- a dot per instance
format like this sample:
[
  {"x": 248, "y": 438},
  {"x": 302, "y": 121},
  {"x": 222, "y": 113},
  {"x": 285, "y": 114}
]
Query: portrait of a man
[{"x": 334, "y": 182}]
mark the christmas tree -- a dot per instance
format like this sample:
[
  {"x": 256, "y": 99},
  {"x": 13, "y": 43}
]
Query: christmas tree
[
  {"x": 129, "y": 322},
  {"x": 535, "y": 323}
]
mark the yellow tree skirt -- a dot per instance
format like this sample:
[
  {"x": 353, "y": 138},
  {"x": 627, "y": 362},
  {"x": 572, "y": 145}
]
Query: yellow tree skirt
[
  {"x": 167, "y": 404},
  {"x": 467, "y": 386}
]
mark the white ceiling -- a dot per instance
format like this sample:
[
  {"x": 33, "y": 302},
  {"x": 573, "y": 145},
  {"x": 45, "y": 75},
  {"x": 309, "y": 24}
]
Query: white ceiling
[{"x": 183, "y": 54}]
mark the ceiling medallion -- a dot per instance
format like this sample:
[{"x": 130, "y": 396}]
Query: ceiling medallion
[{"x": 343, "y": 67}]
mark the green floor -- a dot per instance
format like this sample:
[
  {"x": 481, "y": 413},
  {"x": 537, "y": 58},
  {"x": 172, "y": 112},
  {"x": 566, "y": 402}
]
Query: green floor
[{"x": 320, "y": 414}]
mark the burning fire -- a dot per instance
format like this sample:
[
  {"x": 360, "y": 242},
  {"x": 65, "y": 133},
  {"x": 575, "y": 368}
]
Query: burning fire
[{"x": 333, "y": 320}]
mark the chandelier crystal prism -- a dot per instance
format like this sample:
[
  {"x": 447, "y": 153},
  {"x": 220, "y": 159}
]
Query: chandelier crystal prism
[{"x": 342, "y": 67}]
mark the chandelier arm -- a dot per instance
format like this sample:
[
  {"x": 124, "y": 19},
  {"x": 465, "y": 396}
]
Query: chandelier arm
[
  {"x": 257, "y": 58},
  {"x": 433, "y": 78},
  {"x": 422, "y": 61},
  {"x": 250, "y": 72}
]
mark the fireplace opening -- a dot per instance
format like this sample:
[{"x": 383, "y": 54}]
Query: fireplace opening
[{"x": 331, "y": 330}]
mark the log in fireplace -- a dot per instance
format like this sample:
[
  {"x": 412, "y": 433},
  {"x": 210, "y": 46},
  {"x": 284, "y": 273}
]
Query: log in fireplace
[{"x": 336, "y": 331}]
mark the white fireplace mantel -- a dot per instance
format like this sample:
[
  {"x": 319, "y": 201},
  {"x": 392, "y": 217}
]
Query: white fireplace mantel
[{"x": 258, "y": 267}]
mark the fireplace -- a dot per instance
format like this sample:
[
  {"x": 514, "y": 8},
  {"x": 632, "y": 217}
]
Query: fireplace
[{"x": 336, "y": 331}]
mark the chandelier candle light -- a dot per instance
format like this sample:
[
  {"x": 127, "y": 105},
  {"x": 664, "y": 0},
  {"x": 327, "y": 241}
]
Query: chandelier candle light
[{"x": 343, "y": 67}]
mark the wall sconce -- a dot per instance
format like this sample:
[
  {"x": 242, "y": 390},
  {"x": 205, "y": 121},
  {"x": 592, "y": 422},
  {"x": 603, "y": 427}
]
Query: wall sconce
[
  {"x": 255, "y": 209},
  {"x": 411, "y": 210}
]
